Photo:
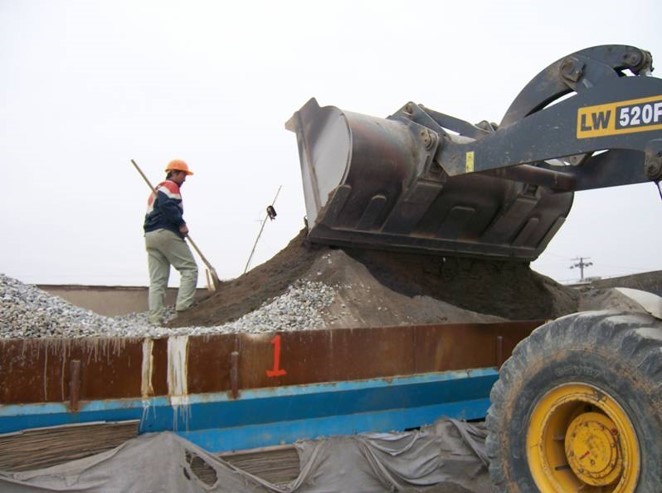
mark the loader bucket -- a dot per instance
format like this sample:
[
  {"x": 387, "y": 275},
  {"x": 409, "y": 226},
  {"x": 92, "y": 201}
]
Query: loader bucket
[{"x": 373, "y": 183}]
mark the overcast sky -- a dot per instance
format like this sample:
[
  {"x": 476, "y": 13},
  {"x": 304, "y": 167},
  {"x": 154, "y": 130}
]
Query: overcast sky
[{"x": 87, "y": 86}]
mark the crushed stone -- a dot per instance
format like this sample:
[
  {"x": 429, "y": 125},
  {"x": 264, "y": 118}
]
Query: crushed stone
[{"x": 29, "y": 312}]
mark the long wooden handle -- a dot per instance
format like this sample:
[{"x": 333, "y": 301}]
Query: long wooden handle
[
  {"x": 149, "y": 184},
  {"x": 204, "y": 259}
]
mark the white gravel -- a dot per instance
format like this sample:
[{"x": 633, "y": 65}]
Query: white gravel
[{"x": 27, "y": 312}]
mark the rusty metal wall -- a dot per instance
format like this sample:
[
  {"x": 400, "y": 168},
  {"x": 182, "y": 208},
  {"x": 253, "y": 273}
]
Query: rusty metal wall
[{"x": 73, "y": 370}]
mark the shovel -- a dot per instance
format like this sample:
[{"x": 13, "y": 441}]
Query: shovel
[{"x": 213, "y": 281}]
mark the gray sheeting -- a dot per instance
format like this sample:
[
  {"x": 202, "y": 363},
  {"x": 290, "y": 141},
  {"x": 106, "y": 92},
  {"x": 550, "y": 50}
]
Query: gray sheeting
[{"x": 448, "y": 456}]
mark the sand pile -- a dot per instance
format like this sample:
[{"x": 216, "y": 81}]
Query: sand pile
[{"x": 376, "y": 288}]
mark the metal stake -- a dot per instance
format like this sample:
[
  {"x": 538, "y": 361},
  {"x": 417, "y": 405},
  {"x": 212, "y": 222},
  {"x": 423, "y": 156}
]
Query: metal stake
[{"x": 271, "y": 215}]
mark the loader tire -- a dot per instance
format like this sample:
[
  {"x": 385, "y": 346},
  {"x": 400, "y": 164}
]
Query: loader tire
[{"x": 578, "y": 407}]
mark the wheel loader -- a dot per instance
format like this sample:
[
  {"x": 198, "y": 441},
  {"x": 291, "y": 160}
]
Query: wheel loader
[{"x": 578, "y": 405}]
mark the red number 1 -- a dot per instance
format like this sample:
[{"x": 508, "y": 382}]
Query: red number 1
[{"x": 276, "y": 371}]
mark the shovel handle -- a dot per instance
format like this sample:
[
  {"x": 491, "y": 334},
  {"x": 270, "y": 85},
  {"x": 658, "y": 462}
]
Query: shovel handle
[
  {"x": 204, "y": 259},
  {"x": 149, "y": 184}
]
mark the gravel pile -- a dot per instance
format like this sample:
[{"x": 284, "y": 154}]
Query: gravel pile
[{"x": 28, "y": 312}]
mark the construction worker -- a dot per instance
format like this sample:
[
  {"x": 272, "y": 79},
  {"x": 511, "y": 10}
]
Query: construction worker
[{"x": 165, "y": 230}]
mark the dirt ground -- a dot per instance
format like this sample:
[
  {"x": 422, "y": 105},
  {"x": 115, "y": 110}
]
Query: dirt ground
[
  {"x": 383, "y": 288},
  {"x": 248, "y": 292}
]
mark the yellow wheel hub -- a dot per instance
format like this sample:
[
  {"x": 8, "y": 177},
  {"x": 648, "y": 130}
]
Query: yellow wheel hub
[
  {"x": 591, "y": 446},
  {"x": 581, "y": 439}
]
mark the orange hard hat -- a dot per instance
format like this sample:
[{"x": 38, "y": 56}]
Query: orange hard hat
[{"x": 178, "y": 165}]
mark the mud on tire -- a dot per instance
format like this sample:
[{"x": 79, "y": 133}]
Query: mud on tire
[{"x": 587, "y": 371}]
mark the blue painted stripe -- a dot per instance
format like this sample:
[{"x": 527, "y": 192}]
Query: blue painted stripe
[
  {"x": 249, "y": 437},
  {"x": 263, "y": 417},
  {"x": 290, "y": 390}
]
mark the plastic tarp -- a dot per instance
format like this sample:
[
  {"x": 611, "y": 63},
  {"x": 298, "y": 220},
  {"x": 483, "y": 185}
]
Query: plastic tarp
[{"x": 448, "y": 456}]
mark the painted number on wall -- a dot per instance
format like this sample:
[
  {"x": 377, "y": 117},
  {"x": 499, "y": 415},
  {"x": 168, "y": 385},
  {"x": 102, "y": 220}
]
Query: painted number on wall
[{"x": 276, "y": 371}]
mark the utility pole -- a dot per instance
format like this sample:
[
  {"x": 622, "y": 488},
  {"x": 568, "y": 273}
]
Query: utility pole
[{"x": 581, "y": 264}]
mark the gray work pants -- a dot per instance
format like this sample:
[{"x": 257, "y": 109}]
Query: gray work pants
[{"x": 166, "y": 248}]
